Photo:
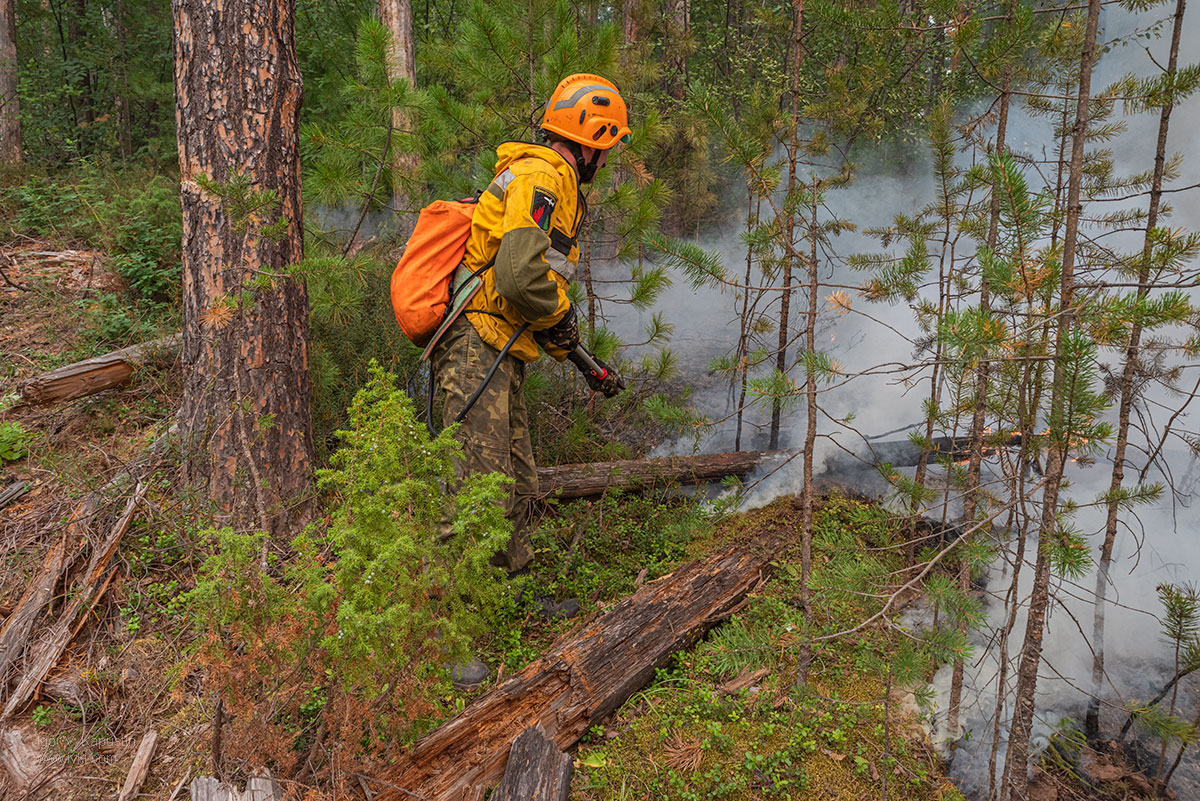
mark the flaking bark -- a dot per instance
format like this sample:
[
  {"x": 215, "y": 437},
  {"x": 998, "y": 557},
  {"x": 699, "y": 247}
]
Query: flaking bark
[
  {"x": 245, "y": 334},
  {"x": 10, "y": 107}
]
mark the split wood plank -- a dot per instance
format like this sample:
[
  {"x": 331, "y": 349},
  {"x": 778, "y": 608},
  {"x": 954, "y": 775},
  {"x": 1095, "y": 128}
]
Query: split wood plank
[
  {"x": 592, "y": 671},
  {"x": 583, "y": 480},
  {"x": 140, "y": 767},
  {"x": 98, "y": 373},
  {"x": 49, "y": 651},
  {"x": 537, "y": 770},
  {"x": 12, "y": 492}
]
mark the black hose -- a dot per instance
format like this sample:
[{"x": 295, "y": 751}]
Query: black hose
[{"x": 487, "y": 379}]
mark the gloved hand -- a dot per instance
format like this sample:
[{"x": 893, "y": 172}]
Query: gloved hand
[
  {"x": 610, "y": 383},
  {"x": 564, "y": 334}
]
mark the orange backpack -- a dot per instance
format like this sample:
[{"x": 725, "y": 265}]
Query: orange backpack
[{"x": 421, "y": 280}]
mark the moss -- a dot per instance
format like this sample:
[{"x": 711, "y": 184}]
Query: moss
[{"x": 690, "y": 736}]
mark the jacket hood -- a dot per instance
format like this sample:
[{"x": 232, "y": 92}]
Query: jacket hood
[{"x": 508, "y": 152}]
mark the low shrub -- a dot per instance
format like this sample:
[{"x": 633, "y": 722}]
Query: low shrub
[{"x": 356, "y": 627}]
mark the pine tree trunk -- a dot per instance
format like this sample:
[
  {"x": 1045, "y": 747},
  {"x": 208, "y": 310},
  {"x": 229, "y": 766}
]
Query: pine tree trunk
[
  {"x": 742, "y": 364},
  {"x": 979, "y": 413},
  {"x": 1127, "y": 392},
  {"x": 677, "y": 12},
  {"x": 397, "y": 18},
  {"x": 10, "y": 107},
  {"x": 785, "y": 303},
  {"x": 121, "y": 77},
  {"x": 810, "y": 439},
  {"x": 245, "y": 320},
  {"x": 1056, "y": 456}
]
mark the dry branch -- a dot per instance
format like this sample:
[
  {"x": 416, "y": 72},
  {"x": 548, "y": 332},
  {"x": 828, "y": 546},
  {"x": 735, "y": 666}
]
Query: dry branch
[
  {"x": 583, "y": 480},
  {"x": 47, "y": 653},
  {"x": 140, "y": 767},
  {"x": 591, "y": 672},
  {"x": 99, "y": 373}
]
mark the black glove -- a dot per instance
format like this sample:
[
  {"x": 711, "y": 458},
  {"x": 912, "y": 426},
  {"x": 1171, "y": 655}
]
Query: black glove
[
  {"x": 610, "y": 384},
  {"x": 564, "y": 334}
]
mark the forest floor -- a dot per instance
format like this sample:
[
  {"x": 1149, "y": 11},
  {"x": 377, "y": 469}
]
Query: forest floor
[{"x": 723, "y": 721}]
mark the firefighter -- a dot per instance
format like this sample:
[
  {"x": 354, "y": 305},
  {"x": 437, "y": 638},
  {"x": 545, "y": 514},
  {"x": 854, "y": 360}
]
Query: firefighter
[{"x": 523, "y": 245}]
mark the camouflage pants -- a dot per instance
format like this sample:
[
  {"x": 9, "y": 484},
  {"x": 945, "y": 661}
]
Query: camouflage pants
[{"x": 495, "y": 432}]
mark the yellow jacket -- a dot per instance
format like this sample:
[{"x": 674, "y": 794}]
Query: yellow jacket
[{"x": 525, "y": 224}]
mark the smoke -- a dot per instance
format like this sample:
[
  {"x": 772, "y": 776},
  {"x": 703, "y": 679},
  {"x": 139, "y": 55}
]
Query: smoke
[
  {"x": 1155, "y": 543},
  {"x": 376, "y": 225}
]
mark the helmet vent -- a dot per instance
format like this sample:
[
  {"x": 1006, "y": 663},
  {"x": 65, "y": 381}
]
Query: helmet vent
[
  {"x": 600, "y": 100},
  {"x": 582, "y": 114},
  {"x": 599, "y": 133}
]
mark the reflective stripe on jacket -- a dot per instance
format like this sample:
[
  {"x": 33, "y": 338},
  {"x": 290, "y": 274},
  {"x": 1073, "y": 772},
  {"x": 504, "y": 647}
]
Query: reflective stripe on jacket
[{"x": 531, "y": 204}]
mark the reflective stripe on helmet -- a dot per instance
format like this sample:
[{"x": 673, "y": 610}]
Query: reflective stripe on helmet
[{"x": 579, "y": 93}]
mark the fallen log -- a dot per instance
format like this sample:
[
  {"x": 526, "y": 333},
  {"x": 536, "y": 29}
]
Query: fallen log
[
  {"x": 98, "y": 373},
  {"x": 19, "y": 624},
  {"x": 537, "y": 770},
  {"x": 583, "y": 480},
  {"x": 47, "y": 653},
  {"x": 903, "y": 453},
  {"x": 593, "y": 670}
]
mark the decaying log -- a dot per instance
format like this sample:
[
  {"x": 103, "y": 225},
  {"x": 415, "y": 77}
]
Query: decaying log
[
  {"x": 903, "y": 453},
  {"x": 537, "y": 770},
  {"x": 99, "y": 373},
  {"x": 592, "y": 671},
  {"x": 140, "y": 767},
  {"x": 259, "y": 788},
  {"x": 47, "y": 653},
  {"x": 583, "y": 480},
  {"x": 68, "y": 685}
]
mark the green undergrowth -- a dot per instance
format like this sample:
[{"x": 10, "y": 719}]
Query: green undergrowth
[
  {"x": 726, "y": 720},
  {"x": 596, "y": 551}
]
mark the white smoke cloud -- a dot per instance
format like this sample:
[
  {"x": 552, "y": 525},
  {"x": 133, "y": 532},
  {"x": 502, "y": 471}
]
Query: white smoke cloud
[{"x": 1158, "y": 544}]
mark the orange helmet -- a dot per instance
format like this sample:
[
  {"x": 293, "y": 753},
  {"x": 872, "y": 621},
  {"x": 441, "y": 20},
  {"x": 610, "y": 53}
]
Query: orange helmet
[{"x": 587, "y": 109}]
